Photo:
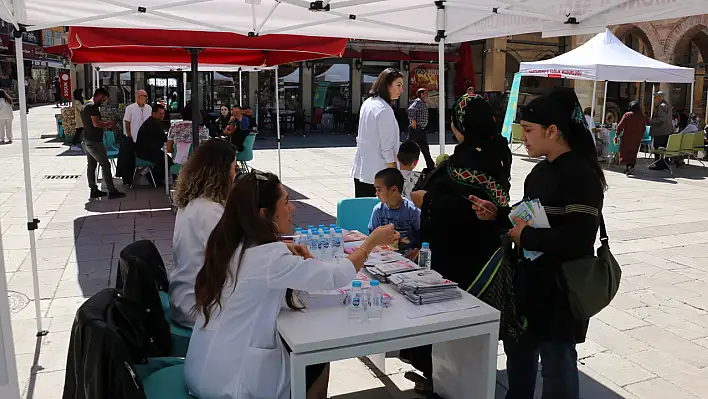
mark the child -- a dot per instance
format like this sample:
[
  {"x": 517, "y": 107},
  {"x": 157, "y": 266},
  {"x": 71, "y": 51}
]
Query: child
[
  {"x": 408, "y": 155},
  {"x": 396, "y": 210}
]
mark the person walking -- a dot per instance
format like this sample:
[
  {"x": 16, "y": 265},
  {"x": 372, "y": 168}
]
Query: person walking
[
  {"x": 78, "y": 104},
  {"x": 570, "y": 185},
  {"x": 56, "y": 91},
  {"x": 631, "y": 131},
  {"x": 136, "y": 114},
  {"x": 661, "y": 128},
  {"x": 379, "y": 135},
  {"x": 5, "y": 118},
  {"x": 417, "y": 122},
  {"x": 95, "y": 149},
  {"x": 27, "y": 95}
]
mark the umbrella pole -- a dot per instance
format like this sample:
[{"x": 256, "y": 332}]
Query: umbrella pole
[
  {"x": 653, "y": 94},
  {"x": 240, "y": 88},
  {"x": 277, "y": 122},
  {"x": 441, "y": 93},
  {"x": 94, "y": 79},
  {"x": 196, "y": 116},
  {"x": 604, "y": 104},
  {"x": 184, "y": 89},
  {"x": 693, "y": 87},
  {"x": 31, "y": 221},
  {"x": 592, "y": 106}
]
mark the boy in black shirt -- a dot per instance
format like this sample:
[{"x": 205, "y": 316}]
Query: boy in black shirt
[{"x": 93, "y": 145}]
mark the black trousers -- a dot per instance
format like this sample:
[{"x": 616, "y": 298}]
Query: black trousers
[
  {"x": 660, "y": 141},
  {"x": 362, "y": 190},
  {"x": 419, "y": 137},
  {"x": 157, "y": 157},
  {"x": 78, "y": 135}
]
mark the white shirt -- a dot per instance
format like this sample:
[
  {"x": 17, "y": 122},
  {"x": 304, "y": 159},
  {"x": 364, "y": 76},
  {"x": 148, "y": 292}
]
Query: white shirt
[
  {"x": 136, "y": 115},
  {"x": 239, "y": 355},
  {"x": 193, "y": 225},
  {"x": 377, "y": 140},
  {"x": 5, "y": 109},
  {"x": 591, "y": 125}
]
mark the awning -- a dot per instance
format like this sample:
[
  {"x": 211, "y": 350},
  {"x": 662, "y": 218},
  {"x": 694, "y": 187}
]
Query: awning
[
  {"x": 351, "y": 53},
  {"x": 384, "y": 55},
  {"x": 432, "y": 56}
]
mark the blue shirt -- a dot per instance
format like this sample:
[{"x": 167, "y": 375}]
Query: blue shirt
[{"x": 405, "y": 219}]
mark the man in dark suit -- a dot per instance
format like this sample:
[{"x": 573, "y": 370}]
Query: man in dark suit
[{"x": 151, "y": 138}]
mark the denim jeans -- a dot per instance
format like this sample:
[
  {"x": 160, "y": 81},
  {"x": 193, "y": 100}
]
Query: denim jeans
[{"x": 559, "y": 369}]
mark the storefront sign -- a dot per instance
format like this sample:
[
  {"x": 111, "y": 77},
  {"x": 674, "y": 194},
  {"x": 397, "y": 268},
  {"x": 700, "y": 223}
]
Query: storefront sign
[
  {"x": 511, "y": 107},
  {"x": 425, "y": 76},
  {"x": 65, "y": 83}
]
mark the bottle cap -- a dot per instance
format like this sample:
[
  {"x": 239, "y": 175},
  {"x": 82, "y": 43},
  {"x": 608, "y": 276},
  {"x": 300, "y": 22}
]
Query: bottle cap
[
  {"x": 298, "y": 230},
  {"x": 320, "y": 225},
  {"x": 315, "y": 233},
  {"x": 326, "y": 231},
  {"x": 374, "y": 283},
  {"x": 426, "y": 245},
  {"x": 331, "y": 226},
  {"x": 356, "y": 284},
  {"x": 310, "y": 227}
]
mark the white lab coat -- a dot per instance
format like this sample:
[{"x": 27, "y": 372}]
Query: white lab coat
[{"x": 239, "y": 354}]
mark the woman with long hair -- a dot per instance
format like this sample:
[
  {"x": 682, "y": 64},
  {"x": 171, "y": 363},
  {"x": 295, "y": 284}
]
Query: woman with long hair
[
  {"x": 631, "y": 131},
  {"x": 6, "y": 118},
  {"x": 235, "y": 351},
  {"x": 224, "y": 119},
  {"x": 462, "y": 243},
  {"x": 570, "y": 185},
  {"x": 203, "y": 185},
  {"x": 379, "y": 134},
  {"x": 78, "y": 105}
]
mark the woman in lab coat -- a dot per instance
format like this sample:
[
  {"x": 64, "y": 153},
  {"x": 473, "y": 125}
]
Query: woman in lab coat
[{"x": 235, "y": 351}]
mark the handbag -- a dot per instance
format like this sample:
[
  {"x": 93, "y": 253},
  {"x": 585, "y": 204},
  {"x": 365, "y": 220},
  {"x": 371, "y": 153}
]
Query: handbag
[{"x": 590, "y": 283}]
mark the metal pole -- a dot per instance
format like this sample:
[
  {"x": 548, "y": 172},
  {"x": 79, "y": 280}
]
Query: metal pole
[
  {"x": 693, "y": 87},
  {"x": 592, "y": 107},
  {"x": 196, "y": 116},
  {"x": 184, "y": 89},
  {"x": 604, "y": 104},
  {"x": 277, "y": 122},
  {"x": 94, "y": 78},
  {"x": 31, "y": 221},
  {"x": 240, "y": 88},
  {"x": 440, "y": 23},
  {"x": 653, "y": 97}
]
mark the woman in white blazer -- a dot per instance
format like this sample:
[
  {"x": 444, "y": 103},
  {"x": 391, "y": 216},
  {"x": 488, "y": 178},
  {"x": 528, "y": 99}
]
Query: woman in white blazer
[
  {"x": 235, "y": 351},
  {"x": 378, "y": 136},
  {"x": 5, "y": 118}
]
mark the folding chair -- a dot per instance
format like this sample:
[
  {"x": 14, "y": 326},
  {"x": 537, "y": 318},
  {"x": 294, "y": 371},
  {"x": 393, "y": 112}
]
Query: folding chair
[
  {"x": 673, "y": 149},
  {"x": 516, "y": 132},
  {"x": 646, "y": 142}
]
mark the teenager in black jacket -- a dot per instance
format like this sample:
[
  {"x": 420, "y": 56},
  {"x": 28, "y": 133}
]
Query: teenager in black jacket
[{"x": 570, "y": 184}]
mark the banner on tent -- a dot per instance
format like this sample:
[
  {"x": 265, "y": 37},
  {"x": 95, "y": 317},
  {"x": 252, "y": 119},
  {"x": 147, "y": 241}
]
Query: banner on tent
[
  {"x": 426, "y": 76},
  {"x": 511, "y": 106},
  {"x": 558, "y": 73}
]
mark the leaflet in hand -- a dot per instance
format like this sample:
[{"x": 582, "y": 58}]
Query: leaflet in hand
[{"x": 531, "y": 212}]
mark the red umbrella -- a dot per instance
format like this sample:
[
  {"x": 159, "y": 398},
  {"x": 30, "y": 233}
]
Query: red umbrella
[{"x": 109, "y": 45}]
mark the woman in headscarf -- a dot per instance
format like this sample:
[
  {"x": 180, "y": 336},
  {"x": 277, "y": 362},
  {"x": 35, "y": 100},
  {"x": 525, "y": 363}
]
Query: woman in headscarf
[
  {"x": 631, "y": 131},
  {"x": 463, "y": 245},
  {"x": 570, "y": 185}
]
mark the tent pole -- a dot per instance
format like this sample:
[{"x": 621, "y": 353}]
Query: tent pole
[
  {"x": 277, "y": 122},
  {"x": 196, "y": 116},
  {"x": 31, "y": 221},
  {"x": 592, "y": 106},
  {"x": 604, "y": 104},
  {"x": 693, "y": 87},
  {"x": 653, "y": 96},
  {"x": 240, "y": 88},
  {"x": 94, "y": 78},
  {"x": 184, "y": 89},
  {"x": 441, "y": 25}
]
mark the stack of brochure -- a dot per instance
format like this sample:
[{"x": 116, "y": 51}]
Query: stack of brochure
[
  {"x": 387, "y": 263},
  {"x": 531, "y": 212},
  {"x": 425, "y": 286}
]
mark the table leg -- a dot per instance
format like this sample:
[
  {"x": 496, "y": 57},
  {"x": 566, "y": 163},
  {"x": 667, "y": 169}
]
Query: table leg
[
  {"x": 298, "y": 389},
  {"x": 475, "y": 358}
]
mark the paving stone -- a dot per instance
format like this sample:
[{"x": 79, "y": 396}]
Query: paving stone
[
  {"x": 619, "y": 319},
  {"x": 617, "y": 369},
  {"x": 658, "y": 388},
  {"x": 671, "y": 343},
  {"x": 616, "y": 341}
]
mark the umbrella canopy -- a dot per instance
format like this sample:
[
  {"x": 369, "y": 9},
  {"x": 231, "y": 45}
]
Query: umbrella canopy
[
  {"x": 110, "y": 45},
  {"x": 605, "y": 57}
]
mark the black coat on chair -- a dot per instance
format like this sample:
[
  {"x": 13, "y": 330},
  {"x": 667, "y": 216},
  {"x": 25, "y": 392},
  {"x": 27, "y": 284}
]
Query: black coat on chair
[{"x": 126, "y": 161}]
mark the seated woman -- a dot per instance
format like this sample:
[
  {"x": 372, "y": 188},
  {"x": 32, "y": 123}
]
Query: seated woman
[
  {"x": 202, "y": 188},
  {"x": 181, "y": 133},
  {"x": 235, "y": 351}
]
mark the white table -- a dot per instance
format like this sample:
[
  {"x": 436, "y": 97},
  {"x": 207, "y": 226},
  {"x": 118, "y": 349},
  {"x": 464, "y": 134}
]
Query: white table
[{"x": 464, "y": 350}]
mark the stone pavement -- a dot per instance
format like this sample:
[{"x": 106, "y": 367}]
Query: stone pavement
[{"x": 652, "y": 342}]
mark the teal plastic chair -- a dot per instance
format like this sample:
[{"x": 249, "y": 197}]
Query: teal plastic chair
[
  {"x": 176, "y": 167},
  {"x": 167, "y": 383},
  {"x": 355, "y": 213},
  {"x": 143, "y": 164},
  {"x": 646, "y": 141},
  {"x": 109, "y": 141},
  {"x": 180, "y": 335},
  {"x": 247, "y": 154}
]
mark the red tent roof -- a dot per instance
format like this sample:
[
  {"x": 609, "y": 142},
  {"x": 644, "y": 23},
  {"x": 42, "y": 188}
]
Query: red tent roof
[{"x": 105, "y": 45}]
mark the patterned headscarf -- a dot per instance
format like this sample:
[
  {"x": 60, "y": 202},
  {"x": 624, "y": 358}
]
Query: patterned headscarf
[{"x": 473, "y": 117}]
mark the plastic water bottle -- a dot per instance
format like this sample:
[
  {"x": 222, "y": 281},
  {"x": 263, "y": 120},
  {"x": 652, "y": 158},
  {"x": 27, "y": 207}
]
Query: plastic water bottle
[
  {"x": 338, "y": 244},
  {"x": 357, "y": 310},
  {"x": 314, "y": 245},
  {"x": 326, "y": 245},
  {"x": 332, "y": 227},
  {"x": 375, "y": 300},
  {"x": 321, "y": 228},
  {"x": 297, "y": 239},
  {"x": 310, "y": 229},
  {"x": 425, "y": 256}
]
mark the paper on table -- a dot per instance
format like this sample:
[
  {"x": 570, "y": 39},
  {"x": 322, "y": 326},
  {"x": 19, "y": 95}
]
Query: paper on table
[{"x": 414, "y": 311}]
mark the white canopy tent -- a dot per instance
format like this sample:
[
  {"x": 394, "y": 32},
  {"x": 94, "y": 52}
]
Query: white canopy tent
[
  {"x": 416, "y": 21},
  {"x": 606, "y": 58}
]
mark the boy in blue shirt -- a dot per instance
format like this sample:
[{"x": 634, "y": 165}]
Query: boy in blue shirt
[{"x": 396, "y": 210}]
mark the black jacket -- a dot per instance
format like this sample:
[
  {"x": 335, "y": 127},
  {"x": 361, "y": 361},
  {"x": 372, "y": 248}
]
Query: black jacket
[
  {"x": 151, "y": 138},
  {"x": 99, "y": 363},
  {"x": 126, "y": 161}
]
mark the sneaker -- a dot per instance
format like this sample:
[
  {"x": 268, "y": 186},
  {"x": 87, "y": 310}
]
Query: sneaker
[
  {"x": 116, "y": 195},
  {"x": 96, "y": 193},
  {"x": 76, "y": 148},
  {"x": 9, "y": 142}
]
